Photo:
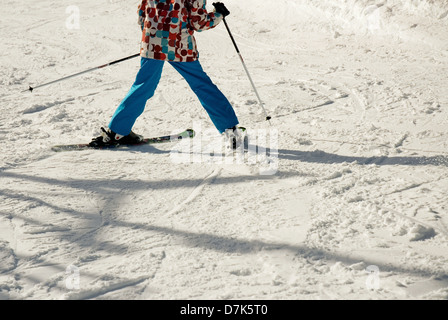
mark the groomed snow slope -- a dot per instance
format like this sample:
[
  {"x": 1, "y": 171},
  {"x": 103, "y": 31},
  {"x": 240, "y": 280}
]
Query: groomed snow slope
[{"x": 353, "y": 205}]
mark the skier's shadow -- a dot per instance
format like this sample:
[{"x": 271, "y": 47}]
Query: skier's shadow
[
  {"x": 331, "y": 158},
  {"x": 142, "y": 149},
  {"x": 323, "y": 157}
]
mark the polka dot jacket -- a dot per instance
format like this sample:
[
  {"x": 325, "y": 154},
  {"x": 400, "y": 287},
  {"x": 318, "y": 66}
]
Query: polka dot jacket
[{"x": 168, "y": 28}]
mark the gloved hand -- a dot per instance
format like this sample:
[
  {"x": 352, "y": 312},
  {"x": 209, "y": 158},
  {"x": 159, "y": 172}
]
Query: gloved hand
[{"x": 221, "y": 8}]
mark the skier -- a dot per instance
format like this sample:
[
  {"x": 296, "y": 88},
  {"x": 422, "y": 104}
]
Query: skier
[{"x": 168, "y": 28}]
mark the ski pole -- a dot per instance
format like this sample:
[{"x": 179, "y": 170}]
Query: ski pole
[
  {"x": 79, "y": 73},
  {"x": 268, "y": 118}
]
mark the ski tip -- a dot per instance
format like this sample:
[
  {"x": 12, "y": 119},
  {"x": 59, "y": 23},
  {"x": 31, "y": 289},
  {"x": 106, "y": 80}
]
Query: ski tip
[{"x": 191, "y": 132}]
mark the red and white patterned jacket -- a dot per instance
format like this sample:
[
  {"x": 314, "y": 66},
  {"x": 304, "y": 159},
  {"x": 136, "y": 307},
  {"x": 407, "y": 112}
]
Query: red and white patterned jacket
[{"x": 168, "y": 28}]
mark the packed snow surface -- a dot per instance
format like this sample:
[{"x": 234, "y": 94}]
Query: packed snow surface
[{"x": 343, "y": 195}]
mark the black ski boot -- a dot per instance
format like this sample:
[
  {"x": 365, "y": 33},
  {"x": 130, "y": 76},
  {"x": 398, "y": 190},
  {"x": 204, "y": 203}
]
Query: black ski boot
[
  {"x": 108, "y": 137},
  {"x": 236, "y": 137}
]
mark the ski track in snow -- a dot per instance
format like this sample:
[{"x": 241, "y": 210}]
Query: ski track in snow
[
  {"x": 195, "y": 193},
  {"x": 358, "y": 96}
]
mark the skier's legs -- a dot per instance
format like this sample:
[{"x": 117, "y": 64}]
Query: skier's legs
[
  {"x": 212, "y": 99},
  {"x": 134, "y": 103}
]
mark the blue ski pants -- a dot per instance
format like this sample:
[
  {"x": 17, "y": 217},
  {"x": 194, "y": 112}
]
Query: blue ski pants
[{"x": 212, "y": 99}]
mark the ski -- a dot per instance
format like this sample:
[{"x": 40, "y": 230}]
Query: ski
[{"x": 189, "y": 133}]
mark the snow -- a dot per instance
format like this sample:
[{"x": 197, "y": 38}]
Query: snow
[{"x": 344, "y": 196}]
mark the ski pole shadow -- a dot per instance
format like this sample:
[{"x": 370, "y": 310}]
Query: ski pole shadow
[
  {"x": 232, "y": 245},
  {"x": 323, "y": 157}
]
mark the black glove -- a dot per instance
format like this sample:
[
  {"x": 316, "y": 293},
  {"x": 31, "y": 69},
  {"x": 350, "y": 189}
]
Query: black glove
[{"x": 221, "y": 8}]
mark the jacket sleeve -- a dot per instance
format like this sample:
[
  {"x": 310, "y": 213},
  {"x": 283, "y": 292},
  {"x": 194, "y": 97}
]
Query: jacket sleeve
[
  {"x": 142, "y": 13},
  {"x": 200, "y": 19}
]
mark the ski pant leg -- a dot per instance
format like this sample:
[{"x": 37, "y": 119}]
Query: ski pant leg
[
  {"x": 212, "y": 99},
  {"x": 133, "y": 105}
]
